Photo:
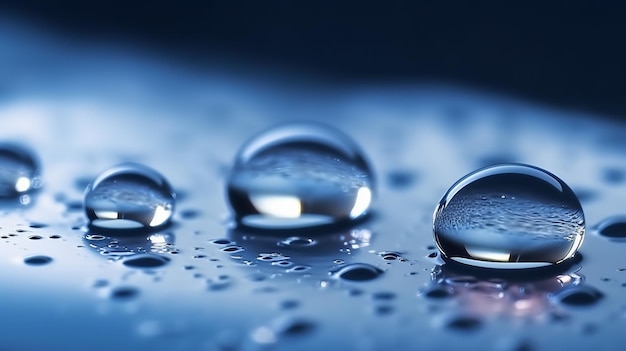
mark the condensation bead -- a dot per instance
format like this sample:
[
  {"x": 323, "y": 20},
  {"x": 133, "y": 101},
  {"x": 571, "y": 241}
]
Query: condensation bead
[
  {"x": 300, "y": 175},
  {"x": 129, "y": 196},
  {"x": 19, "y": 170},
  {"x": 509, "y": 216}
]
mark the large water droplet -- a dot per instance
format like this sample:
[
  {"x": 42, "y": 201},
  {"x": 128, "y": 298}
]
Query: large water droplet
[
  {"x": 129, "y": 196},
  {"x": 300, "y": 175},
  {"x": 509, "y": 216},
  {"x": 19, "y": 170}
]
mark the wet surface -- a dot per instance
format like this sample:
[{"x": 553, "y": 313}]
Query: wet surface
[{"x": 202, "y": 283}]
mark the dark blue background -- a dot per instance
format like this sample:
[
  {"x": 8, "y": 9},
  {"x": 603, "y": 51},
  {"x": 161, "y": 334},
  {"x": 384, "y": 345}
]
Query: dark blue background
[{"x": 568, "y": 53}]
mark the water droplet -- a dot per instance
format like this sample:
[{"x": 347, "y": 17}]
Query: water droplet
[
  {"x": 129, "y": 196},
  {"x": 357, "y": 272},
  {"x": 613, "y": 228},
  {"x": 146, "y": 261},
  {"x": 383, "y": 310},
  {"x": 384, "y": 295},
  {"x": 272, "y": 257},
  {"x": 299, "y": 269},
  {"x": 232, "y": 249},
  {"x": 509, "y": 216},
  {"x": 439, "y": 292},
  {"x": 464, "y": 323},
  {"x": 293, "y": 326},
  {"x": 390, "y": 255},
  {"x": 219, "y": 283},
  {"x": 289, "y": 304},
  {"x": 38, "y": 225},
  {"x": 300, "y": 175},
  {"x": 613, "y": 175},
  {"x": 124, "y": 293},
  {"x": 296, "y": 241},
  {"x": 55, "y": 236},
  {"x": 583, "y": 295},
  {"x": 189, "y": 214},
  {"x": 35, "y": 237},
  {"x": 100, "y": 283},
  {"x": 400, "y": 179},
  {"x": 222, "y": 242},
  {"x": 38, "y": 260},
  {"x": 19, "y": 170}
]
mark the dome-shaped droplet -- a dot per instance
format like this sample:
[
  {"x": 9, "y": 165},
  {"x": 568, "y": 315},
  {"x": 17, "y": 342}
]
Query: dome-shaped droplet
[
  {"x": 19, "y": 170},
  {"x": 129, "y": 196},
  {"x": 509, "y": 216},
  {"x": 300, "y": 175}
]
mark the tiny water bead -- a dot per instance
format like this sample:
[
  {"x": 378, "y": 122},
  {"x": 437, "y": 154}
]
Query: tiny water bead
[
  {"x": 300, "y": 175},
  {"x": 129, "y": 196},
  {"x": 509, "y": 216},
  {"x": 19, "y": 170},
  {"x": 37, "y": 260}
]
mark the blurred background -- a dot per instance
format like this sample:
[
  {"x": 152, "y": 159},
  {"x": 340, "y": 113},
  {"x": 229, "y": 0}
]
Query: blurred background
[{"x": 561, "y": 53}]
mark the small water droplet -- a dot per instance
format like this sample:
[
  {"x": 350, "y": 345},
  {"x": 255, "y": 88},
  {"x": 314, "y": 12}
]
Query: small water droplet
[
  {"x": 384, "y": 295},
  {"x": 19, "y": 170},
  {"x": 55, "y": 236},
  {"x": 222, "y": 242},
  {"x": 583, "y": 295},
  {"x": 38, "y": 225},
  {"x": 232, "y": 249},
  {"x": 37, "y": 260},
  {"x": 299, "y": 269},
  {"x": 383, "y": 310},
  {"x": 390, "y": 255},
  {"x": 296, "y": 241},
  {"x": 219, "y": 283},
  {"x": 293, "y": 326},
  {"x": 464, "y": 323},
  {"x": 613, "y": 228},
  {"x": 357, "y": 272},
  {"x": 146, "y": 261},
  {"x": 189, "y": 214},
  {"x": 129, "y": 196},
  {"x": 300, "y": 175},
  {"x": 100, "y": 283},
  {"x": 613, "y": 175},
  {"x": 35, "y": 237},
  {"x": 124, "y": 293},
  {"x": 509, "y": 216},
  {"x": 289, "y": 304},
  {"x": 272, "y": 257},
  {"x": 439, "y": 292},
  {"x": 400, "y": 179}
]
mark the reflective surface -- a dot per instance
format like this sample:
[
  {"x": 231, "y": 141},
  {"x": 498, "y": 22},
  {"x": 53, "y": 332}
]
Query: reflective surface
[
  {"x": 129, "y": 196},
  {"x": 509, "y": 216},
  {"x": 200, "y": 284},
  {"x": 300, "y": 175}
]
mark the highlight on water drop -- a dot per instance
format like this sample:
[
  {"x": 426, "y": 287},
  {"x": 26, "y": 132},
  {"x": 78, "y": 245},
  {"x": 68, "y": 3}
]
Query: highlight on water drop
[
  {"x": 509, "y": 216},
  {"x": 300, "y": 175},
  {"x": 129, "y": 196},
  {"x": 20, "y": 171}
]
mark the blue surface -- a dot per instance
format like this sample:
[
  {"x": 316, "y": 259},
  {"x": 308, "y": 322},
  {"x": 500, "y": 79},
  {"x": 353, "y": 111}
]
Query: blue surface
[{"x": 87, "y": 106}]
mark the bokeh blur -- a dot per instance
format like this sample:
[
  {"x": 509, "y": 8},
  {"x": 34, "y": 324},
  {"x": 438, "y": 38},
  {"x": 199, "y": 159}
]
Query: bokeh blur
[{"x": 561, "y": 53}]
